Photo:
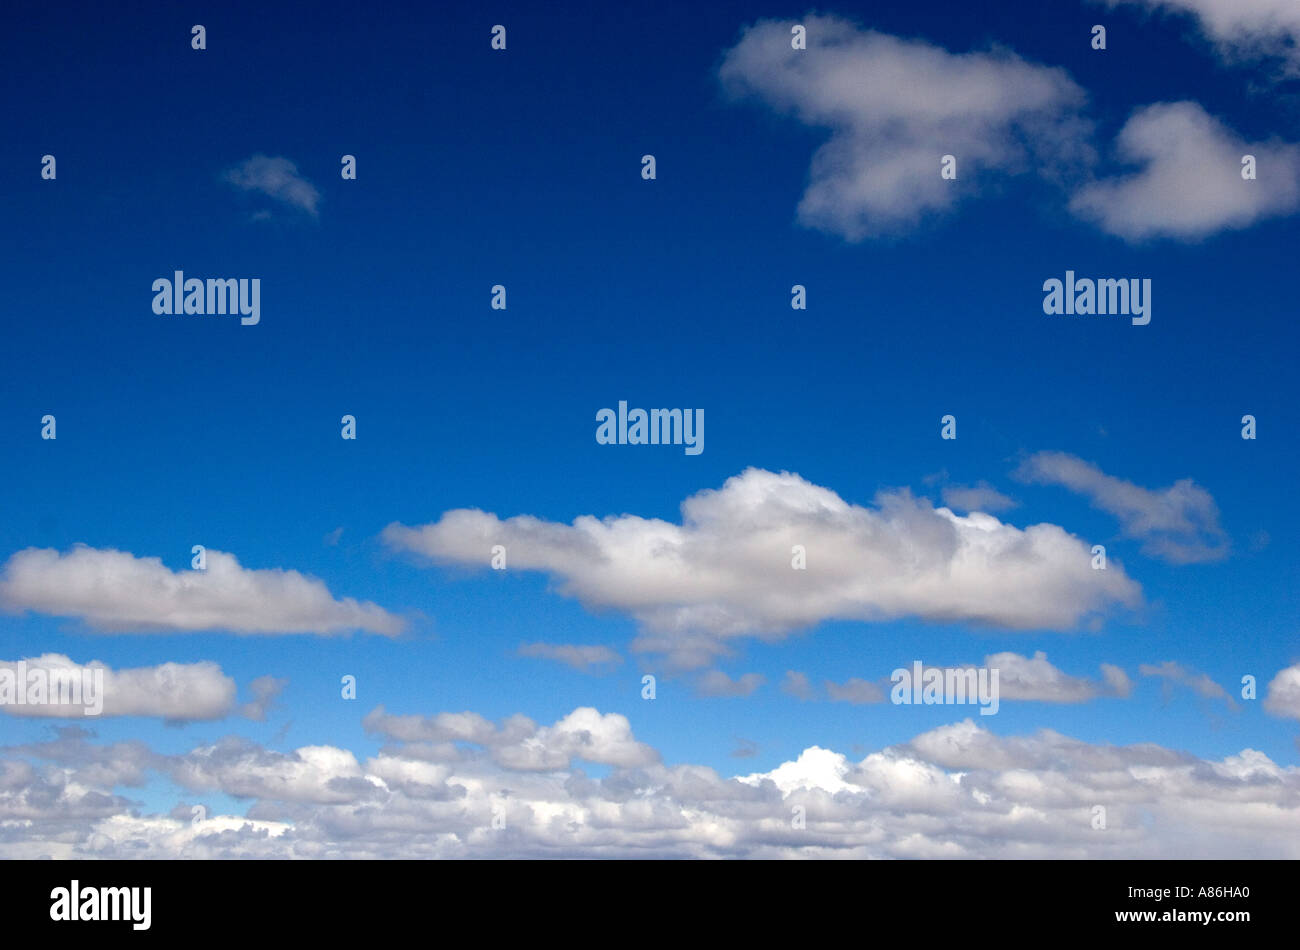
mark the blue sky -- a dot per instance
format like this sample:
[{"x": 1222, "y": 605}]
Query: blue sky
[{"x": 523, "y": 168}]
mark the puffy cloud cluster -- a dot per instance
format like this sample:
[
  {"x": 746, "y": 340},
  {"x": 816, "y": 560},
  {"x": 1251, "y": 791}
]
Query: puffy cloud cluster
[{"x": 955, "y": 791}]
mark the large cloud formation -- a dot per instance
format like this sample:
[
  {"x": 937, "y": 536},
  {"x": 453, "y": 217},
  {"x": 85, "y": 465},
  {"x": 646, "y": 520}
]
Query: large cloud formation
[
  {"x": 726, "y": 570},
  {"x": 957, "y": 791},
  {"x": 116, "y": 591}
]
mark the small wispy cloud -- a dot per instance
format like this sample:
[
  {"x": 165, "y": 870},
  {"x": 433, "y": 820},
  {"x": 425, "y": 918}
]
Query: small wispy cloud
[
  {"x": 276, "y": 178},
  {"x": 585, "y": 658},
  {"x": 718, "y": 683},
  {"x": 1199, "y": 683},
  {"x": 981, "y": 497},
  {"x": 1179, "y": 524},
  {"x": 856, "y": 691}
]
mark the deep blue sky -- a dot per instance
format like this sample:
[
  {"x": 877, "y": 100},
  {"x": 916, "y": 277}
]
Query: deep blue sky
[{"x": 523, "y": 168}]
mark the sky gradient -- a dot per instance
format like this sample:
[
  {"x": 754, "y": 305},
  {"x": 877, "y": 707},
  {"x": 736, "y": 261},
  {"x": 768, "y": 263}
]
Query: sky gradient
[{"x": 522, "y": 167}]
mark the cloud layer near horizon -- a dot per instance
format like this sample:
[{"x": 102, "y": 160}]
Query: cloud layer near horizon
[{"x": 455, "y": 785}]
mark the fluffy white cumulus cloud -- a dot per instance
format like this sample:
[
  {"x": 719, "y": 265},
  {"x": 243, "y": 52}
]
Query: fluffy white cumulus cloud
[
  {"x": 116, "y": 591},
  {"x": 894, "y": 108},
  {"x": 317, "y": 774},
  {"x": 1189, "y": 183},
  {"x": 1283, "y": 696},
  {"x": 725, "y": 571},
  {"x": 956, "y": 791},
  {"x": 1241, "y": 29},
  {"x": 173, "y": 691},
  {"x": 519, "y": 743}
]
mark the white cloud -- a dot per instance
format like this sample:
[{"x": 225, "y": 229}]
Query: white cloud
[
  {"x": 718, "y": 683},
  {"x": 854, "y": 690},
  {"x": 582, "y": 657},
  {"x": 956, "y": 791},
  {"x": 521, "y": 744},
  {"x": 174, "y": 691},
  {"x": 725, "y": 573},
  {"x": 238, "y": 767},
  {"x": 276, "y": 178},
  {"x": 1241, "y": 29},
  {"x": 894, "y": 107},
  {"x": 981, "y": 497},
  {"x": 1199, "y": 683},
  {"x": 1035, "y": 679},
  {"x": 266, "y": 690},
  {"x": 115, "y": 591},
  {"x": 1178, "y": 524},
  {"x": 1190, "y": 182},
  {"x": 1283, "y": 697},
  {"x": 798, "y": 685}
]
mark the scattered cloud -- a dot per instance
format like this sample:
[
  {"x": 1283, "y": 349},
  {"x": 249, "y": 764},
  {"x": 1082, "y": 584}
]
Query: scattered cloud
[
  {"x": 519, "y": 743},
  {"x": 1035, "y": 679},
  {"x": 958, "y": 791},
  {"x": 1176, "y": 673},
  {"x": 177, "y": 692},
  {"x": 981, "y": 497},
  {"x": 745, "y": 749},
  {"x": 1179, "y": 524},
  {"x": 585, "y": 658},
  {"x": 1190, "y": 182},
  {"x": 276, "y": 178},
  {"x": 266, "y": 690},
  {"x": 718, "y": 683},
  {"x": 798, "y": 685},
  {"x": 855, "y": 690},
  {"x": 894, "y": 108},
  {"x": 1283, "y": 697},
  {"x": 116, "y": 591},
  {"x": 1240, "y": 29}
]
